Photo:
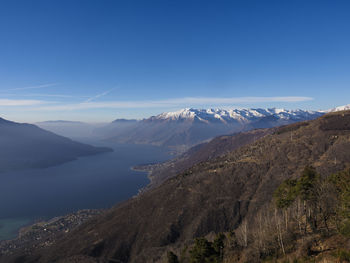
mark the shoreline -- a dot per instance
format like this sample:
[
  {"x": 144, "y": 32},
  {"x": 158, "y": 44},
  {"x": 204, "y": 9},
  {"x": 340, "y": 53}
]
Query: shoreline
[
  {"x": 44, "y": 233},
  {"x": 148, "y": 171},
  {"x": 23, "y": 230},
  {"x": 33, "y": 231}
]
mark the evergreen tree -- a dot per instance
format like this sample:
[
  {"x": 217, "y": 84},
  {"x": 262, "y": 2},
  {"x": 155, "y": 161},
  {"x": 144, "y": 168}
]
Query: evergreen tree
[
  {"x": 204, "y": 251},
  {"x": 201, "y": 251},
  {"x": 341, "y": 181},
  {"x": 286, "y": 193},
  {"x": 218, "y": 246},
  {"x": 306, "y": 184}
]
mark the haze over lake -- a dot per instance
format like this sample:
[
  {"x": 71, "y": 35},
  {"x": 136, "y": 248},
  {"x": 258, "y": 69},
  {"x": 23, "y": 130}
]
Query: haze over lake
[{"x": 97, "y": 181}]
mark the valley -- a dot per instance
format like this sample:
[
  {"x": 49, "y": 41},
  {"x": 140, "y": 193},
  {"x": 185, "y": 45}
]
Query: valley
[
  {"x": 91, "y": 182},
  {"x": 227, "y": 182}
]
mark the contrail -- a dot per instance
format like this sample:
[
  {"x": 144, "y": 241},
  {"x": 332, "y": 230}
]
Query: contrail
[{"x": 99, "y": 95}]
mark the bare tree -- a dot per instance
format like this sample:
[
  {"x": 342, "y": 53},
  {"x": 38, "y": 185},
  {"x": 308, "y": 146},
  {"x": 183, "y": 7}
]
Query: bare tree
[{"x": 242, "y": 233}]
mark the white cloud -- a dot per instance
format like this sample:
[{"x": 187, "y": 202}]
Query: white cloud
[
  {"x": 8, "y": 102},
  {"x": 177, "y": 102},
  {"x": 42, "y": 95}
]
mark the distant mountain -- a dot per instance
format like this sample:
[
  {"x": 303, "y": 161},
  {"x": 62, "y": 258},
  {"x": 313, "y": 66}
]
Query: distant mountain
[
  {"x": 70, "y": 129},
  {"x": 123, "y": 121},
  {"x": 187, "y": 127},
  {"x": 62, "y": 122},
  {"x": 117, "y": 128},
  {"x": 340, "y": 108},
  {"x": 234, "y": 115},
  {"x": 28, "y": 146}
]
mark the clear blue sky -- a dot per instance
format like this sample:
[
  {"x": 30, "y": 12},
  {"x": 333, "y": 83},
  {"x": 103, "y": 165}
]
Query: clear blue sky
[{"x": 101, "y": 60}]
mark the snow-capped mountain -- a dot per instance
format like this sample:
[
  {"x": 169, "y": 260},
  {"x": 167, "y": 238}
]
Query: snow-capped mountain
[
  {"x": 340, "y": 108},
  {"x": 234, "y": 115},
  {"x": 188, "y": 127}
]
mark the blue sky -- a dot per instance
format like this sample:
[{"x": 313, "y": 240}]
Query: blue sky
[{"x": 102, "y": 60}]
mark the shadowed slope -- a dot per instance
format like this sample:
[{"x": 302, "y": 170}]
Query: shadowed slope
[{"x": 28, "y": 146}]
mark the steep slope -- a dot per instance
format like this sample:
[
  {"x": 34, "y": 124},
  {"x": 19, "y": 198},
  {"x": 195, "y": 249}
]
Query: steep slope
[
  {"x": 188, "y": 127},
  {"x": 158, "y": 173},
  {"x": 215, "y": 195},
  {"x": 28, "y": 146}
]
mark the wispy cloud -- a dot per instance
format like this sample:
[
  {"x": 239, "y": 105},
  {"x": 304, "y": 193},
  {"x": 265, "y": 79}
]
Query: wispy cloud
[
  {"x": 52, "y": 95},
  {"x": 42, "y": 95},
  {"x": 177, "y": 102},
  {"x": 8, "y": 102},
  {"x": 33, "y": 87}
]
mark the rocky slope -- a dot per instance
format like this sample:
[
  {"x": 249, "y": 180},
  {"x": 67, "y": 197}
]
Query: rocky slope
[{"x": 213, "y": 196}]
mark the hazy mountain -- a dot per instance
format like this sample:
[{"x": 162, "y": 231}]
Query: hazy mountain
[
  {"x": 188, "y": 127},
  {"x": 116, "y": 128},
  {"x": 215, "y": 195},
  {"x": 71, "y": 129},
  {"x": 181, "y": 129},
  {"x": 25, "y": 146}
]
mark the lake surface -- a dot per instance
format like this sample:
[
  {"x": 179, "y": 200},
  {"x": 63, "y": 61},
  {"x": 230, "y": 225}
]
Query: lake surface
[{"x": 98, "y": 181}]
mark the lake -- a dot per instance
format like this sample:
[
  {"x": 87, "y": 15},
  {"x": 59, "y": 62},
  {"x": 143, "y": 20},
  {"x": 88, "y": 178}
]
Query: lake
[{"x": 98, "y": 181}]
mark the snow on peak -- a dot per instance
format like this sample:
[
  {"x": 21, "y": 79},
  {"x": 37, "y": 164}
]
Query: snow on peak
[
  {"x": 240, "y": 115},
  {"x": 181, "y": 114},
  {"x": 340, "y": 108}
]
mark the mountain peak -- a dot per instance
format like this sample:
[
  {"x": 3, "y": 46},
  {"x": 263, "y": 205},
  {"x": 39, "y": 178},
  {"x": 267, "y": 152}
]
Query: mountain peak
[
  {"x": 340, "y": 108},
  {"x": 187, "y": 113}
]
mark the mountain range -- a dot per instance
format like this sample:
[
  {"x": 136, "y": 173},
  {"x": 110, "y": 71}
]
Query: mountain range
[
  {"x": 340, "y": 108},
  {"x": 185, "y": 128},
  {"x": 227, "y": 181},
  {"x": 28, "y": 146}
]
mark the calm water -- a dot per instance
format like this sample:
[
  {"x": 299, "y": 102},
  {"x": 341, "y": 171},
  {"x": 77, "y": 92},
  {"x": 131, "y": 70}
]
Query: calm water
[{"x": 98, "y": 181}]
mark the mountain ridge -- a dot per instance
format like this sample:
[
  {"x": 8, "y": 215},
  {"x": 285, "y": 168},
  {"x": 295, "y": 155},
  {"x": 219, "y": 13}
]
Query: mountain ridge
[
  {"x": 26, "y": 145},
  {"x": 185, "y": 128},
  {"x": 182, "y": 129},
  {"x": 242, "y": 115}
]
